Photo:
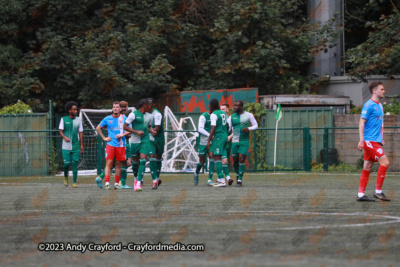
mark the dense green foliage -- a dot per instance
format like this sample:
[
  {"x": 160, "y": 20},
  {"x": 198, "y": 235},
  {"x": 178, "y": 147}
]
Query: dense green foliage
[
  {"x": 373, "y": 38},
  {"x": 96, "y": 51}
]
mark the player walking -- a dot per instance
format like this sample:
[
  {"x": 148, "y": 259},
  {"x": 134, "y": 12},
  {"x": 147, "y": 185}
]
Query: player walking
[
  {"x": 371, "y": 139},
  {"x": 71, "y": 131},
  {"x": 219, "y": 135},
  {"x": 242, "y": 123},
  {"x": 115, "y": 148}
]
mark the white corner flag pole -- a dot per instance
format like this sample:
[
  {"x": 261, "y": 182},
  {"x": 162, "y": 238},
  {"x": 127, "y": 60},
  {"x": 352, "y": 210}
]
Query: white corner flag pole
[{"x": 278, "y": 116}]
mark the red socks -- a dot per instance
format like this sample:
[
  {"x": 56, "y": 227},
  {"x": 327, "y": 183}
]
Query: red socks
[
  {"x": 117, "y": 178},
  {"x": 380, "y": 177},
  {"x": 363, "y": 181},
  {"x": 107, "y": 178}
]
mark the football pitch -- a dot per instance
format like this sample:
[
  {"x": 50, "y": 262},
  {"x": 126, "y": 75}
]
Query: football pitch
[{"x": 282, "y": 219}]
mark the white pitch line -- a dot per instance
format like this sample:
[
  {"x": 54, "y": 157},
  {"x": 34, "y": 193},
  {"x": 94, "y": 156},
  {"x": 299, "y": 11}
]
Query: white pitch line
[{"x": 394, "y": 218}]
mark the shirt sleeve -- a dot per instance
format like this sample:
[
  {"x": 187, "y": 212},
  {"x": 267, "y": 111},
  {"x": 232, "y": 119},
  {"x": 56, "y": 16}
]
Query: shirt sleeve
[
  {"x": 157, "y": 119},
  {"x": 214, "y": 119},
  {"x": 103, "y": 123},
  {"x": 202, "y": 123},
  {"x": 254, "y": 124},
  {"x": 130, "y": 118},
  {"x": 61, "y": 127},
  {"x": 230, "y": 123},
  {"x": 80, "y": 126},
  {"x": 365, "y": 112}
]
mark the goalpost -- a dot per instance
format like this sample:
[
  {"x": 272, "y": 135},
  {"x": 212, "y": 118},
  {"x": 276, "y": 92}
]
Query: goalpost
[{"x": 179, "y": 153}]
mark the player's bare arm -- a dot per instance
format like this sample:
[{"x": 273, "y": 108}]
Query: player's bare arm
[
  {"x": 152, "y": 130},
  {"x": 81, "y": 138},
  {"x": 361, "y": 126},
  {"x": 64, "y": 137},
  {"x": 100, "y": 132},
  {"x": 212, "y": 132},
  {"x": 130, "y": 130}
]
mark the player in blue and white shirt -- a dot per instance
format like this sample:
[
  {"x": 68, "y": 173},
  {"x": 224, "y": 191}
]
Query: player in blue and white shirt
[
  {"x": 371, "y": 140},
  {"x": 115, "y": 149}
]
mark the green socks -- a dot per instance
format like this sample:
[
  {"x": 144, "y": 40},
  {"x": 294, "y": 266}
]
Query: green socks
[
  {"x": 74, "y": 171},
  {"x": 66, "y": 169},
  {"x": 135, "y": 168},
  {"x": 142, "y": 169},
  {"x": 159, "y": 165},
  {"x": 153, "y": 168},
  {"x": 220, "y": 173},
  {"x": 225, "y": 169},
  {"x": 242, "y": 167},
  {"x": 236, "y": 167},
  {"x": 123, "y": 175},
  {"x": 210, "y": 169}
]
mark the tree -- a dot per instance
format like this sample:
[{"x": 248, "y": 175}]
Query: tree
[
  {"x": 380, "y": 52},
  {"x": 97, "y": 51}
]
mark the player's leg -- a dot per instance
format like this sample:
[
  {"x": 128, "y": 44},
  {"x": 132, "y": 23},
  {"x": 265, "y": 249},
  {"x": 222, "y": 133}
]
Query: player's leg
[
  {"x": 384, "y": 165},
  {"x": 242, "y": 152},
  {"x": 235, "y": 155},
  {"x": 142, "y": 169},
  {"x": 368, "y": 162},
  {"x": 151, "y": 151},
  {"x": 220, "y": 149},
  {"x": 135, "y": 148},
  {"x": 75, "y": 161},
  {"x": 242, "y": 168},
  {"x": 200, "y": 164},
  {"x": 107, "y": 173},
  {"x": 225, "y": 167},
  {"x": 211, "y": 164},
  {"x": 66, "y": 154},
  {"x": 110, "y": 156}
]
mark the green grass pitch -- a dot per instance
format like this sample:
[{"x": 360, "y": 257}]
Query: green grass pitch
[{"x": 282, "y": 219}]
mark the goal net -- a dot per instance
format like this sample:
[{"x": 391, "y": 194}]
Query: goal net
[{"x": 179, "y": 151}]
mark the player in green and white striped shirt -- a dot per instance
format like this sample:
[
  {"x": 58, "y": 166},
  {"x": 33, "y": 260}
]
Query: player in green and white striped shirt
[
  {"x": 204, "y": 129},
  {"x": 71, "y": 131},
  {"x": 227, "y": 154},
  {"x": 219, "y": 135},
  {"x": 242, "y": 123}
]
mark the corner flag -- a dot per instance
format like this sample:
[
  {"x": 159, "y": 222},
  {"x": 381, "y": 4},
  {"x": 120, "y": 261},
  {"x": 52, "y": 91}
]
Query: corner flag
[{"x": 278, "y": 115}]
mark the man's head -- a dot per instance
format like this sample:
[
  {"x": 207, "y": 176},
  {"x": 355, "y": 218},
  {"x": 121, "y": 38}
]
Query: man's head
[
  {"x": 225, "y": 108},
  {"x": 376, "y": 88},
  {"x": 116, "y": 109},
  {"x": 72, "y": 108},
  {"x": 124, "y": 107},
  {"x": 152, "y": 104},
  {"x": 214, "y": 105},
  {"x": 238, "y": 106},
  {"x": 144, "y": 105}
]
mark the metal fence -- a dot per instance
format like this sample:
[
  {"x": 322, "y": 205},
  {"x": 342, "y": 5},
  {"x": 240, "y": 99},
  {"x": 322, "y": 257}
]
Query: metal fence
[{"x": 30, "y": 152}]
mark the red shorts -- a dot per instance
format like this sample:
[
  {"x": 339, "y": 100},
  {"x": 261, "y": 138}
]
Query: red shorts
[
  {"x": 117, "y": 153},
  {"x": 373, "y": 151}
]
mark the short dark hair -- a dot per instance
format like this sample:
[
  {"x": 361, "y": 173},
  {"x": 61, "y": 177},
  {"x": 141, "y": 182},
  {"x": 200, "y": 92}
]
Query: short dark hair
[
  {"x": 151, "y": 99},
  {"x": 214, "y": 104},
  {"x": 225, "y": 104},
  {"x": 116, "y": 103},
  {"x": 69, "y": 105},
  {"x": 373, "y": 85},
  {"x": 240, "y": 101},
  {"x": 141, "y": 103}
]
